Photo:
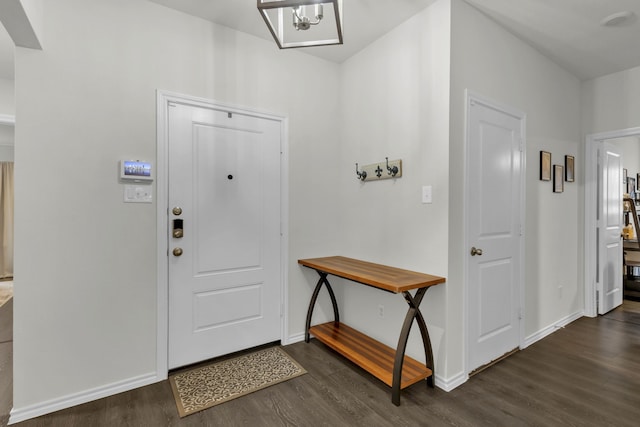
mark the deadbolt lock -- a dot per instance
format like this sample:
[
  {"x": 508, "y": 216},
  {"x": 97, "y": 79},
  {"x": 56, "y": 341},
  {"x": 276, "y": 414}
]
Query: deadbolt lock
[
  {"x": 177, "y": 210},
  {"x": 177, "y": 251},
  {"x": 178, "y": 228}
]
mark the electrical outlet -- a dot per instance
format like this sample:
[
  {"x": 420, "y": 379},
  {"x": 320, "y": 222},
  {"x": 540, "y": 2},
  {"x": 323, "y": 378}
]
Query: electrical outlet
[{"x": 381, "y": 310}]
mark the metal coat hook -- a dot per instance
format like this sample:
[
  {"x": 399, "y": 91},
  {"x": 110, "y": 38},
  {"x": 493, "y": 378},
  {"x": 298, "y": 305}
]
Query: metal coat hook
[
  {"x": 361, "y": 175},
  {"x": 393, "y": 171}
]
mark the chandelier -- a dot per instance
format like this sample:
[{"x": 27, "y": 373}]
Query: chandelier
[{"x": 303, "y": 23}]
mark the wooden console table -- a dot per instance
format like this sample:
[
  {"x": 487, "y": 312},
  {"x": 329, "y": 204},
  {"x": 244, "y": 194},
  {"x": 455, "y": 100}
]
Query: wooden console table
[{"x": 388, "y": 365}]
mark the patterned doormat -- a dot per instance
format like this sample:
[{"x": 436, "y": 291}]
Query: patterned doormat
[{"x": 206, "y": 386}]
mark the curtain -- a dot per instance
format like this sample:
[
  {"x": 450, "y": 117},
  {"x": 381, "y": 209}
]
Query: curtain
[{"x": 6, "y": 219}]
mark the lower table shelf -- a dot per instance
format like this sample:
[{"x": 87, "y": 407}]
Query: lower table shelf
[{"x": 371, "y": 355}]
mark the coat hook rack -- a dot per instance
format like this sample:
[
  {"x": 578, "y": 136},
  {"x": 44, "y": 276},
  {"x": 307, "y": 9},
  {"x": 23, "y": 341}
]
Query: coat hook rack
[{"x": 374, "y": 171}]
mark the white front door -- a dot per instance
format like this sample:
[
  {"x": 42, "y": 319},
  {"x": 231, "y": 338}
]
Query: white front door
[
  {"x": 494, "y": 224},
  {"x": 610, "y": 278},
  {"x": 225, "y": 264}
]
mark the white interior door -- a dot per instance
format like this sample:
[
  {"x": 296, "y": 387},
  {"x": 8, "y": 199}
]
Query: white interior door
[
  {"x": 494, "y": 226},
  {"x": 224, "y": 269},
  {"x": 609, "y": 274}
]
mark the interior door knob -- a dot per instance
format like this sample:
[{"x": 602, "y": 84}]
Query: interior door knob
[
  {"x": 177, "y": 251},
  {"x": 475, "y": 251}
]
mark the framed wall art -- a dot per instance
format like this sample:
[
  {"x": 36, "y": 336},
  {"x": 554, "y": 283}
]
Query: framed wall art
[
  {"x": 631, "y": 186},
  {"x": 569, "y": 174},
  {"x": 558, "y": 178},
  {"x": 545, "y": 166}
]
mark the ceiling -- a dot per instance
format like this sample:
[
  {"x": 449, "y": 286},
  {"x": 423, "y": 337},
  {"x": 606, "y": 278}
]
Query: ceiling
[
  {"x": 363, "y": 20},
  {"x": 567, "y": 31}
]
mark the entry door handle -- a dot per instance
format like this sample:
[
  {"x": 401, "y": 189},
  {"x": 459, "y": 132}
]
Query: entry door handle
[{"x": 475, "y": 251}]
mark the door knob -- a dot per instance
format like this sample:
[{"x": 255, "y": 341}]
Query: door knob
[
  {"x": 178, "y": 233},
  {"x": 177, "y": 251},
  {"x": 475, "y": 251}
]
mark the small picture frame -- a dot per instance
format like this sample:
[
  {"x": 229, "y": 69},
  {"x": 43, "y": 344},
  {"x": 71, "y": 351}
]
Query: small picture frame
[
  {"x": 569, "y": 174},
  {"x": 558, "y": 178},
  {"x": 545, "y": 166}
]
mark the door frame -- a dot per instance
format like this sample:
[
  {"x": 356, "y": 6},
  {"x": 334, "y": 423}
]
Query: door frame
[
  {"x": 473, "y": 97},
  {"x": 593, "y": 142},
  {"x": 163, "y": 101},
  {"x": 6, "y": 119}
]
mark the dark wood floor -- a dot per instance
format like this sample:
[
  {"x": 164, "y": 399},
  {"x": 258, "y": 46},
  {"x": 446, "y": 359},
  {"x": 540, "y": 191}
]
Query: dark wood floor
[{"x": 587, "y": 374}]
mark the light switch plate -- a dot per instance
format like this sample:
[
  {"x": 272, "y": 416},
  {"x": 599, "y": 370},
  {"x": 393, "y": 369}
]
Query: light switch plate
[
  {"x": 427, "y": 194},
  {"x": 138, "y": 193}
]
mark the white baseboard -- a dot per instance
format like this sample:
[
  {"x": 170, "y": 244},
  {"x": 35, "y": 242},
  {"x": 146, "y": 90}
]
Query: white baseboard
[
  {"x": 21, "y": 414},
  {"x": 294, "y": 338},
  {"x": 448, "y": 384},
  {"x": 551, "y": 329}
]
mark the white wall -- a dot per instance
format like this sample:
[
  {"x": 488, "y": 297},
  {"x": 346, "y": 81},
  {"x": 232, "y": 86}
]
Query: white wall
[
  {"x": 7, "y": 97},
  {"x": 85, "y": 294},
  {"x": 93, "y": 296},
  {"x": 395, "y": 104},
  {"x": 7, "y": 108},
  {"x": 490, "y": 61},
  {"x": 611, "y": 102}
]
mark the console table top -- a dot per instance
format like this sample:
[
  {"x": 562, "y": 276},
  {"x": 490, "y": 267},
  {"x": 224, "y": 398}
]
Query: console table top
[{"x": 377, "y": 275}]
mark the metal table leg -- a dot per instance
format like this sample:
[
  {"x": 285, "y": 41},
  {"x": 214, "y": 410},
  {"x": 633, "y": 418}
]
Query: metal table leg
[
  {"x": 412, "y": 313},
  {"x": 314, "y": 297}
]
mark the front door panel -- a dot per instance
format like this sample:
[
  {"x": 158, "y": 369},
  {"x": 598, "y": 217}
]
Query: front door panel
[{"x": 224, "y": 284}]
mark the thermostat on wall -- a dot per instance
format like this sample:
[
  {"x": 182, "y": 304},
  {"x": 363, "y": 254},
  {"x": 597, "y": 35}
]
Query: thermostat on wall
[{"x": 136, "y": 170}]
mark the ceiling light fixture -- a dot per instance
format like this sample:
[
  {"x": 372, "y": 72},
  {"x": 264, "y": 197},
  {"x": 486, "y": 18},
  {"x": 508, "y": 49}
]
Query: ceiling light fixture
[
  {"x": 617, "y": 19},
  {"x": 303, "y": 23}
]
